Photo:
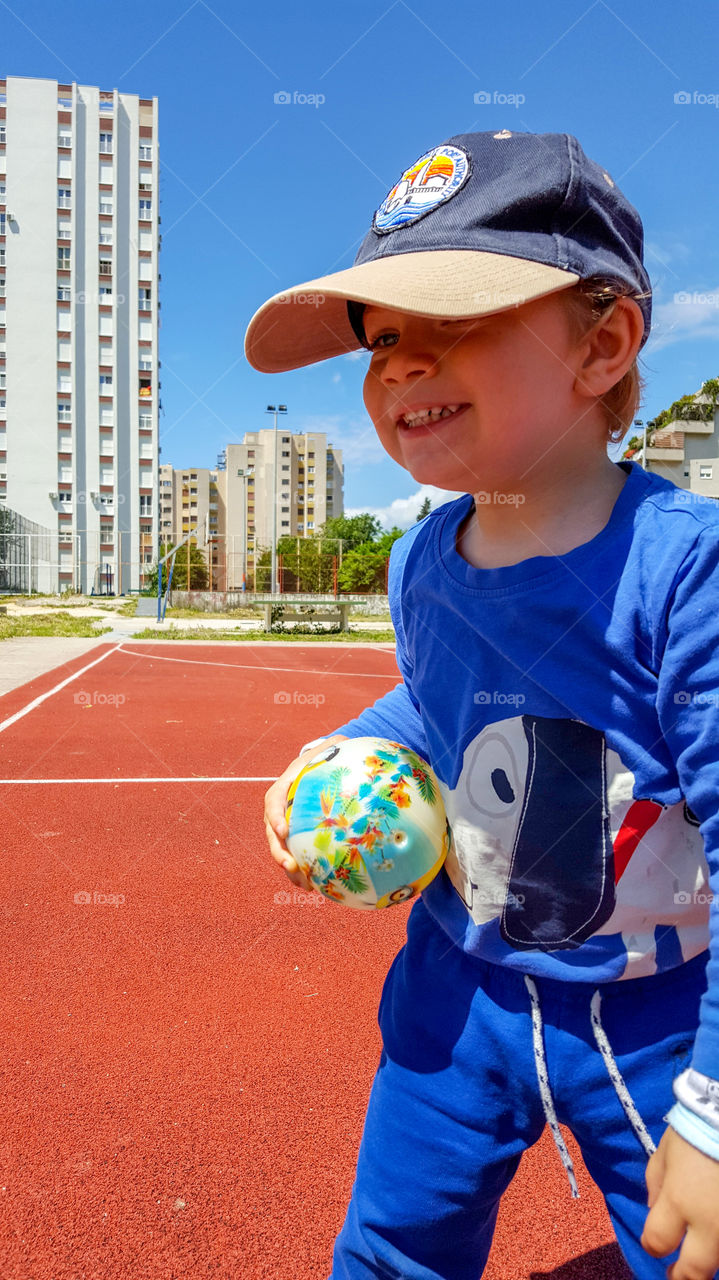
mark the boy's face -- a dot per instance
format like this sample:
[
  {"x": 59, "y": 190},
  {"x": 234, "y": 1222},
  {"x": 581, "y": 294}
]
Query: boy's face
[{"x": 504, "y": 382}]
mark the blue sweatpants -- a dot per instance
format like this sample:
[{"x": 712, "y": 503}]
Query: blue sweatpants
[{"x": 455, "y": 1102}]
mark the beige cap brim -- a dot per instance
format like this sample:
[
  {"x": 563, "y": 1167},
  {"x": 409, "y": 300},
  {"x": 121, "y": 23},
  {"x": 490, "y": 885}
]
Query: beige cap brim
[{"x": 309, "y": 322}]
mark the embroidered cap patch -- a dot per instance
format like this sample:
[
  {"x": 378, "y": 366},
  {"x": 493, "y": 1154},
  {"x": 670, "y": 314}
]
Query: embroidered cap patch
[{"x": 434, "y": 178}]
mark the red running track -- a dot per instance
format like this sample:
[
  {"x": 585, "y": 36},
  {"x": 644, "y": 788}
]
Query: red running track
[{"x": 188, "y": 1054}]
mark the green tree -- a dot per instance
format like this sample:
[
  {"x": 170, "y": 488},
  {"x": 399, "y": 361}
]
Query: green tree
[
  {"x": 198, "y": 571},
  {"x": 364, "y": 569},
  {"x": 353, "y": 530},
  {"x": 424, "y": 509}
]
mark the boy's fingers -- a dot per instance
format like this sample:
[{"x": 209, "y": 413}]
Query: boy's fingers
[
  {"x": 663, "y": 1229},
  {"x": 698, "y": 1259}
]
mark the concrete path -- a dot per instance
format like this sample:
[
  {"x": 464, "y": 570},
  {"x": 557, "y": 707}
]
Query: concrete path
[{"x": 22, "y": 658}]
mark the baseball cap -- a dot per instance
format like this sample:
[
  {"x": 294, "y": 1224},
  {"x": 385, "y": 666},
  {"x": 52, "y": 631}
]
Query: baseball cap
[{"x": 479, "y": 224}]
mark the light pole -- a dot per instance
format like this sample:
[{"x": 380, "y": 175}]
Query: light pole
[
  {"x": 638, "y": 423},
  {"x": 274, "y": 586},
  {"x": 245, "y": 475}
]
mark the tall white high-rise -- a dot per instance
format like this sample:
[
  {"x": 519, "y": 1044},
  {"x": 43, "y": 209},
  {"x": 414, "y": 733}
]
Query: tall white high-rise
[{"x": 79, "y": 277}]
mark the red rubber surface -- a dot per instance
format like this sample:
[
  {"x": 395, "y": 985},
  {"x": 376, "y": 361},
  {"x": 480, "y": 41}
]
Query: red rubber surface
[{"x": 186, "y": 1072}]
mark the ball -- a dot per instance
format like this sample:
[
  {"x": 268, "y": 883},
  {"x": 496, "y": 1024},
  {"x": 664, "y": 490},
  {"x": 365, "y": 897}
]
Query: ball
[{"x": 367, "y": 823}]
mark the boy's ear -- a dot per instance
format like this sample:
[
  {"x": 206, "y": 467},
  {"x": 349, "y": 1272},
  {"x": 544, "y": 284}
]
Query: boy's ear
[{"x": 608, "y": 350}]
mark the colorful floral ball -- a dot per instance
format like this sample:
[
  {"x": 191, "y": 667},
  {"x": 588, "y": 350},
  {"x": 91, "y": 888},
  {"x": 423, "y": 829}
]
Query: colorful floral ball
[{"x": 367, "y": 823}]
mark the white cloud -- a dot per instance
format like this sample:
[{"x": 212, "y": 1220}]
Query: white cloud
[
  {"x": 689, "y": 314},
  {"x": 403, "y": 512},
  {"x": 336, "y": 377}
]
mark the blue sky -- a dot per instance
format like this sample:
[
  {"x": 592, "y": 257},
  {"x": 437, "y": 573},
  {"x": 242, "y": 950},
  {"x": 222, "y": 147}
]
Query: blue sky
[{"x": 258, "y": 195}]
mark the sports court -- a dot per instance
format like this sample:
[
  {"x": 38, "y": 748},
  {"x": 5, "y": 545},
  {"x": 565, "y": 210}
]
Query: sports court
[{"x": 190, "y": 1041}]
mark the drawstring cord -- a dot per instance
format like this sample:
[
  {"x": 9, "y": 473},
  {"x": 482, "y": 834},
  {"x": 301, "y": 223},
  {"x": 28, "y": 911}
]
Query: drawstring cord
[
  {"x": 616, "y": 1077},
  {"x": 545, "y": 1092},
  {"x": 613, "y": 1071}
]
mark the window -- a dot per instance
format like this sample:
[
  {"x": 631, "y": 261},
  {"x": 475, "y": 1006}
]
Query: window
[
  {"x": 705, "y": 473},
  {"x": 2, "y": 255},
  {"x": 310, "y": 524},
  {"x": 145, "y": 299},
  {"x": 285, "y": 524},
  {"x": 64, "y": 496},
  {"x": 106, "y": 144},
  {"x": 64, "y": 411},
  {"x": 105, "y": 384},
  {"x": 2, "y": 286},
  {"x": 63, "y": 293},
  {"x": 2, "y": 379},
  {"x": 106, "y": 293},
  {"x": 105, "y": 266},
  {"x": 145, "y": 424},
  {"x": 310, "y": 471},
  {"x": 250, "y": 453},
  {"x": 145, "y": 504},
  {"x": 63, "y": 258},
  {"x": 107, "y": 499},
  {"x": 2, "y": 134},
  {"x": 64, "y": 197},
  {"x": 2, "y": 222},
  {"x": 145, "y": 209},
  {"x": 285, "y": 453},
  {"x": 145, "y": 150},
  {"x": 285, "y": 439},
  {"x": 64, "y": 230},
  {"x": 106, "y": 205},
  {"x": 105, "y": 236},
  {"x": 285, "y": 466},
  {"x": 285, "y": 511},
  {"x": 64, "y": 138}
]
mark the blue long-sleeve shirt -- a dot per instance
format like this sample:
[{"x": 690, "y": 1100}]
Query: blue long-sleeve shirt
[{"x": 569, "y": 706}]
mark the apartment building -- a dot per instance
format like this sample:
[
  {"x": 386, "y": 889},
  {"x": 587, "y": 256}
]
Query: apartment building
[
  {"x": 189, "y": 500},
  {"x": 79, "y": 365},
  {"x": 686, "y": 450},
  {"x": 274, "y": 480}
]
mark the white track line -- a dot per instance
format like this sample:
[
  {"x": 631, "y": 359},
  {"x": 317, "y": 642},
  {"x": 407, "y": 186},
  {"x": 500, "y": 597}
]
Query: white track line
[
  {"x": 43, "y": 696},
  {"x": 67, "y": 782},
  {"x": 249, "y": 666}
]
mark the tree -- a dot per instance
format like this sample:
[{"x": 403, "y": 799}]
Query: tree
[
  {"x": 424, "y": 509},
  {"x": 365, "y": 568},
  {"x": 353, "y": 530},
  {"x": 198, "y": 571}
]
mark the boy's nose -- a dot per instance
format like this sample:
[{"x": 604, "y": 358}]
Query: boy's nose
[{"x": 407, "y": 366}]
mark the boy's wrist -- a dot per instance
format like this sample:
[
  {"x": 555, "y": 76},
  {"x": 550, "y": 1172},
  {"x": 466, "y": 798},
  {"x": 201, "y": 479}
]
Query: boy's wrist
[{"x": 695, "y": 1114}]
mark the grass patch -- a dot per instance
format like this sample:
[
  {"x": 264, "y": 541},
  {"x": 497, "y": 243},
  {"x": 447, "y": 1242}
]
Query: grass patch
[
  {"x": 242, "y": 611},
  {"x": 206, "y": 633},
  {"x": 51, "y": 624}
]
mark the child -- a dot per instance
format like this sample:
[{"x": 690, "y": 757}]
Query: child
[{"x": 558, "y": 638}]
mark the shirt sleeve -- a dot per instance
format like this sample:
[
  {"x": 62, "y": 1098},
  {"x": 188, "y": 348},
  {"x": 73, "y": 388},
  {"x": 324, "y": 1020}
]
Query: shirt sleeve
[
  {"x": 397, "y": 715},
  {"x": 688, "y": 710}
]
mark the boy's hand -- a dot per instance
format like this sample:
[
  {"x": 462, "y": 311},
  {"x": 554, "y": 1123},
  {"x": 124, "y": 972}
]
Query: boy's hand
[
  {"x": 275, "y": 805},
  {"x": 683, "y": 1188}
]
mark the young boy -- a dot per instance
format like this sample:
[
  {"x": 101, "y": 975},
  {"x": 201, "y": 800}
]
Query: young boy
[{"x": 558, "y": 637}]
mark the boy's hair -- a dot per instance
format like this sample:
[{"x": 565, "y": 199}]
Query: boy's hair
[{"x": 586, "y": 302}]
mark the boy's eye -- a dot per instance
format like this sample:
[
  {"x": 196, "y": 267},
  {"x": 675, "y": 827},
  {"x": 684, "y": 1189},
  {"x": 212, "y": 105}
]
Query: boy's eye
[{"x": 382, "y": 340}]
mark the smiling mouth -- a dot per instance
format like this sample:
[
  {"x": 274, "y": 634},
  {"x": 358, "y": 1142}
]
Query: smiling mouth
[{"x": 426, "y": 417}]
